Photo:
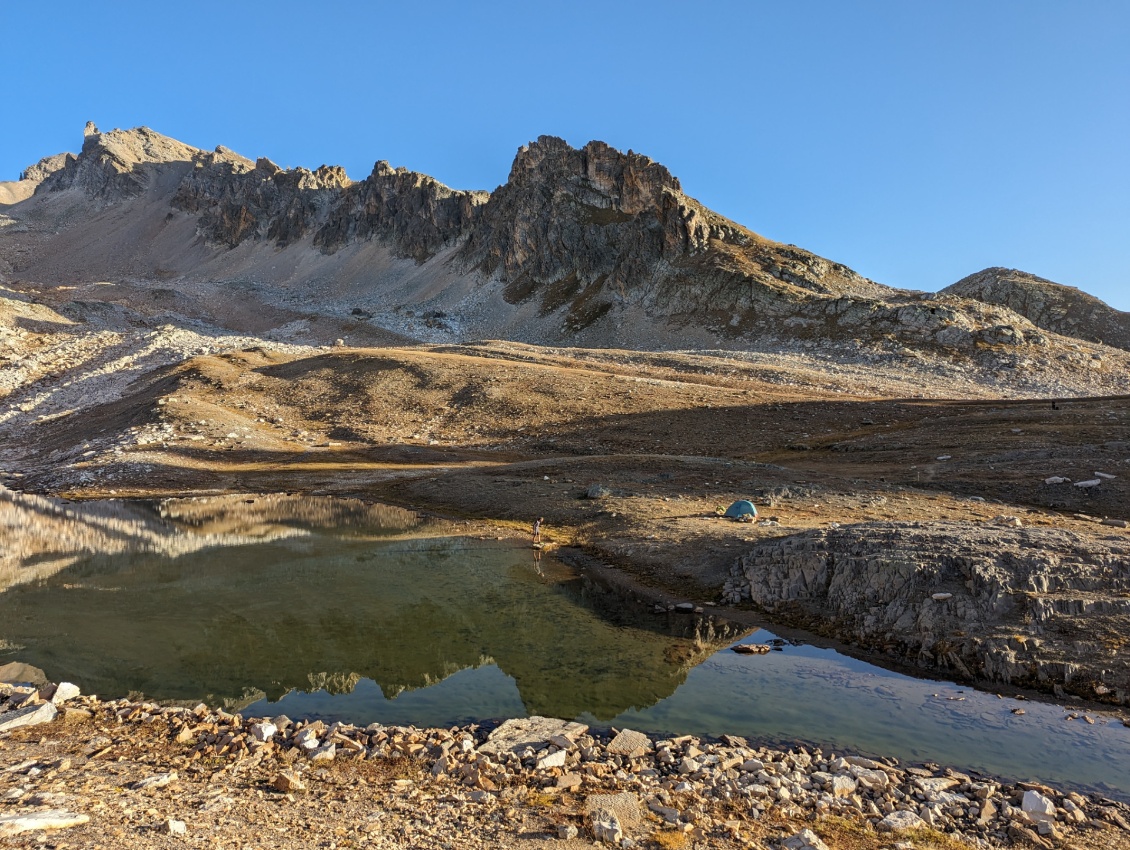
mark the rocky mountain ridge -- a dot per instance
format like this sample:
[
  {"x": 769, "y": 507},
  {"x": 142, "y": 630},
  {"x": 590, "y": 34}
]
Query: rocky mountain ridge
[
  {"x": 586, "y": 246},
  {"x": 1048, "y": 305}
]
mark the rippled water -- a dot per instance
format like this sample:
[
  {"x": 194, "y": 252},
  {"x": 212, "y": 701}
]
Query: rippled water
[{"x": 342, "y": 610}]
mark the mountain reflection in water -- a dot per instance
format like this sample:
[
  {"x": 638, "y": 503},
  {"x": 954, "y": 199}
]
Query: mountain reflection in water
[
  {"x": 309, "y": 608},
  {"x": 344, "y": 610}
]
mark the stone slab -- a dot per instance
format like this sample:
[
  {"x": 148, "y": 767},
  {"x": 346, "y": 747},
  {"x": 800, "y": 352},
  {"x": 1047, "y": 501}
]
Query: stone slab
[
  {"x": 516, "y": 734},
  {"x": 33, "y": 715},
  {"x": 50, "y": 819}
]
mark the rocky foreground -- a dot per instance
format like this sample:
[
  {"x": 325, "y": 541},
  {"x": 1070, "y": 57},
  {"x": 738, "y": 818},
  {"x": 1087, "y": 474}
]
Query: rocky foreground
[{"x": 78, "y": 771}]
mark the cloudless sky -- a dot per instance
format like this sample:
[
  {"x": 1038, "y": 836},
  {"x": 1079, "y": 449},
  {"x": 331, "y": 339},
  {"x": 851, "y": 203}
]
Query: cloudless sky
[{"x": 916, "y": 142}]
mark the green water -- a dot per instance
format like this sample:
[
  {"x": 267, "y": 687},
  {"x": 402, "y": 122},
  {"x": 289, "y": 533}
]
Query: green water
[{"x": 311, "y": 609}]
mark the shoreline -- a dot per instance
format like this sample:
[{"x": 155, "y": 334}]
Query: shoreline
[{"x": 139, "y": 772}]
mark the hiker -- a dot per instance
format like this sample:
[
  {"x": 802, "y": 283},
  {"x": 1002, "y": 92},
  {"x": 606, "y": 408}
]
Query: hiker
[{"x": 537, "y": 529}]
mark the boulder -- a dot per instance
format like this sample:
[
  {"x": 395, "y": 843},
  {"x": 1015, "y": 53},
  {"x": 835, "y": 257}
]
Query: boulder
[
  {"x": 1037, "y": 807},
  {"x": 32, "y": 715},
  {"x": 900, "y": 821}
]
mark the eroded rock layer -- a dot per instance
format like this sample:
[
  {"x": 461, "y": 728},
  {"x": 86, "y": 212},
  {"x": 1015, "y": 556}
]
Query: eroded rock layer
[{"x": 1003, "y": 605}]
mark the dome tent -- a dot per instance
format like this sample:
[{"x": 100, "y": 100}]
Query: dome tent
[{"x": 741, "y": 508}]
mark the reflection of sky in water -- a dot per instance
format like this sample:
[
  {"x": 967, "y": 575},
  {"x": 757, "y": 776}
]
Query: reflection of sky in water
[{"x": 811, "y": 694}]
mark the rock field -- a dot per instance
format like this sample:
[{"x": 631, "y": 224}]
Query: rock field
[{"x": 136, "y": 774}]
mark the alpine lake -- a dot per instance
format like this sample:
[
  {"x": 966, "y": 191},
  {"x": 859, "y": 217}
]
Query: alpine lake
[{"x": 337, "y": 609}]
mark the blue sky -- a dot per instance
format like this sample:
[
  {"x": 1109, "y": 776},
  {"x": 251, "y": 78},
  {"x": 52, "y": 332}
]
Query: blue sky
[{"x": 914, "y": 141}]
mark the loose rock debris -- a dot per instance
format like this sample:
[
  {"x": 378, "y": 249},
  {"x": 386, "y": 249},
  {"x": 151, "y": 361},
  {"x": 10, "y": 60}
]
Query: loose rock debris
[{"x": 133, "y": 774}]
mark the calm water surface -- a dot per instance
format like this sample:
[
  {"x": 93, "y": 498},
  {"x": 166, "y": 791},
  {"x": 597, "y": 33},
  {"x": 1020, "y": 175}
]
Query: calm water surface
[{"x": 330, "y": 608}]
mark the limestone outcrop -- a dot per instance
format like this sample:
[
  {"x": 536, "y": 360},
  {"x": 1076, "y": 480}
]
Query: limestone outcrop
[
  {"x": 416, "y": 213},
  {"x": 116, "y": 165},
  {"x": 237, "y": 200},
  {"x": 988, "y": 604},
  {"x": 46, "y": 167},
  {"x": 1048, "y": 305},
  {"x": 581, "y": 232}
]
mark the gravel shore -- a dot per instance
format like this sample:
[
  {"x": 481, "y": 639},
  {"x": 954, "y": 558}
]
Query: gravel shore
[{"x": 77, "y": 771}]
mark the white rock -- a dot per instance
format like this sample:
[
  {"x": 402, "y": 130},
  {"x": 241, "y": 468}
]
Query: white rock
[
  {"x": 1105, "y": 475},
  {"x": 900, "y": 822},
  {"x": 1057, "y": 479},
  {"x": 874, "y": 780},
  {"x": 263, "y": 731},
  {"x": 556, "y": 759},
  {"x": 33, "y": 715},
  {"x": 158, "y": 781},
  {"x": 566, "y": 831},
  {"x": 842, "y": 786},
  {"x": 174, "y": 827},
  {"x": 941, "y": 597},
  {"x": 64, "y": 692},
  {"x": 629, "y": 743},
  {"x": 944, "y": 457},
  {"x": 325, "y": 753},
  {"x": 606, "y": 827},
  {"x": 50, "y": 819},
  {"x": 520, "y": 732},
  {"x": 1037, "y": 806},
  {"x": 307, "y": 739},
  {"x": 936, "y": 784},
  {"x": 806, "y": 839},
  {"x": 1094, "y": 482}
]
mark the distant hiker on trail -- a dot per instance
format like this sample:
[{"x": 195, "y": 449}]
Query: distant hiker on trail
[{"x": 537, "y": 529}]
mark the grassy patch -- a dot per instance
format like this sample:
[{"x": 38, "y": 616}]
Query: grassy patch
[{"x": 670, "y": 839}]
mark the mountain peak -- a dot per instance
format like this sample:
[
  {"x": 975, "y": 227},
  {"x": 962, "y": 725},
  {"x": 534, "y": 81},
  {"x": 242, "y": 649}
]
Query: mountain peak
[
  {"x": 114, "y": 165},
  {"x": 625, "y": 181},
  {"x": 1048, "y": 305}
]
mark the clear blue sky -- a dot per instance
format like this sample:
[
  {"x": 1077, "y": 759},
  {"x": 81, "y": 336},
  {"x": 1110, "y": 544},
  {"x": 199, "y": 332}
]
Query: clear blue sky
[{"x": 916, "y": 142}]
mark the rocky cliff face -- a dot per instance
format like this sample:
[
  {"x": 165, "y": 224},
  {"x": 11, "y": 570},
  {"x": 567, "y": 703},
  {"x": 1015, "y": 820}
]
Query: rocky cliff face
[
  {"x": 116, "y": 165},
  {"x": 46, "y": 167},
  {"x": 992, "y": 604},
  {"x": 584, "y": 231},
  {"x": 237, "y": 201},
  {"x": 417, "y": 214},
  {"x": 1051, "y": 306},
  {"x": 593, "y": 247}
]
